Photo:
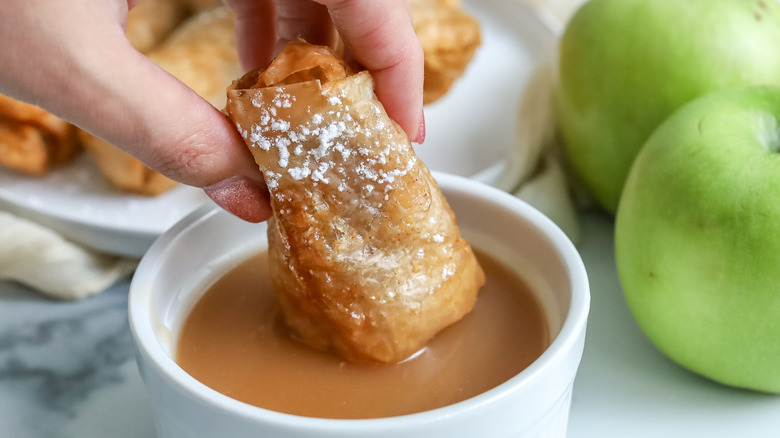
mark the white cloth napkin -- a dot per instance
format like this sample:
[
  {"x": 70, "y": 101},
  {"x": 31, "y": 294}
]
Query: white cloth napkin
[
  {"x": 544, "y": 181},
  {"x": 544, "y": 184},
  {"x": 42, "y": 259}
]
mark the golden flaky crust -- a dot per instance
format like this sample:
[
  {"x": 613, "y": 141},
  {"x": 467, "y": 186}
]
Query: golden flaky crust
[
  {"x": 202, "y": 5},
  {"x": 122, "y": 170},
  {"x": 151, "y": 21},
  {"x": 366, "y": 257},
  {"x": 449, "y": 37},
  {"x": 33, "y": 140},
  {"x": 202, "y": 54}
]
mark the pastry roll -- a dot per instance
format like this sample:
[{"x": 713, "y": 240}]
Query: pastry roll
[
  {"x": 122, "y": 170},
  {"x": 365, "y": 254},
  {"x": 202, "y": 54},
  {"x": 201, "y": 5},
  {"x": 33, "y": 140},
  {"x": 449, "y": 38},
  {"x": 151, "y": 21}
]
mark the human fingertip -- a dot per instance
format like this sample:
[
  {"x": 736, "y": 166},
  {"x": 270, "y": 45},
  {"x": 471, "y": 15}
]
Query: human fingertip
[
  {"x": 243, "y": 197},
  {"x": 421, "y": 129}
]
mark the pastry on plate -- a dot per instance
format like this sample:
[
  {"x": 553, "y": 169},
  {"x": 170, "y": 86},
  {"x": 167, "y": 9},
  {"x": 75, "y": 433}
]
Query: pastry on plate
[
  {"x": 449, "y": 38},
  {"x": 366, "y": 257},
  {"x": 151, "y": 21},
  {"x": 33, "y": 140},
  {"x": 122, "y": 170},
  {"x": 202, "y": 5},
  {"x": 202, "y": 54}
]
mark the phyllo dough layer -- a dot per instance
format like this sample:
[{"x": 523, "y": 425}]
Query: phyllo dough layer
[{"x": 366, "y": 257}]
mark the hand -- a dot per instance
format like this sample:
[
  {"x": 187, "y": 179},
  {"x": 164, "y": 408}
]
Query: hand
[
  {"x": 73, "y": 59},
  {"x": 377, "y": 33}
]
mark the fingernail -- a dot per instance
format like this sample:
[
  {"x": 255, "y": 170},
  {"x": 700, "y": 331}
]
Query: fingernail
[
  {"x": 243, "y": 197},
  {"x": 421, "y": 130}
]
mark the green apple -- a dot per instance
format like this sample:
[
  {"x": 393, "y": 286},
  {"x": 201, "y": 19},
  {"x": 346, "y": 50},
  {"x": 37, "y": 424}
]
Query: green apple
[
  {"x": 625, "y": 65},
  {"x": 697, "y": 237}
]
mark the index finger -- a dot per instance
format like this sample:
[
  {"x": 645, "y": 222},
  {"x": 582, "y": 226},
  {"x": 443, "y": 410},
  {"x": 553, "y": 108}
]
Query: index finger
[{"x": 380, "y": 36}]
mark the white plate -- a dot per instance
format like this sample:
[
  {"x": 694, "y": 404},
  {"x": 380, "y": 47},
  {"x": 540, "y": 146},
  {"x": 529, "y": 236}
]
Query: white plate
[
  {"x": 471, "y": 129},
  {"x": 78, "y": 202},
  {"x": 470, "y": 132}
]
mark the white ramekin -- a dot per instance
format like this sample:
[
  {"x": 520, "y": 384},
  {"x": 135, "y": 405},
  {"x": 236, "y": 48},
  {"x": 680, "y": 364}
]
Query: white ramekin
[{"x": 197, "y": 250}]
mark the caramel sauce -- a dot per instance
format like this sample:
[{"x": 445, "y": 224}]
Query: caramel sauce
[{"x": 234, "y": 342}]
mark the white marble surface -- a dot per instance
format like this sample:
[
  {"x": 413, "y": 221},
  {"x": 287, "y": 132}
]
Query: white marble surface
[{"x": 67, "y": 370}]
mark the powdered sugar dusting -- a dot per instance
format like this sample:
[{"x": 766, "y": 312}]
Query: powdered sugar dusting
[
  {"x": 272, "y": 179},
  {"x": 280, "y": 125},
  {"x": 355, "y": 153},
  {"x": 299, "y": 173}
]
